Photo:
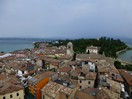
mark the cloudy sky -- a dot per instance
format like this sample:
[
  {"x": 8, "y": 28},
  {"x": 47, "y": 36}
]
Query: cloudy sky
[{"x": 65, "y": 18}]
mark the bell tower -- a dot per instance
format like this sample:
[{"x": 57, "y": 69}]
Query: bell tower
[{"x": 70, "y": 49}]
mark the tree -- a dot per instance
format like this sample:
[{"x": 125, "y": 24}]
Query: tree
[
  {"x": 2, "y": 52},
  {"x": 117, "y": 64}
]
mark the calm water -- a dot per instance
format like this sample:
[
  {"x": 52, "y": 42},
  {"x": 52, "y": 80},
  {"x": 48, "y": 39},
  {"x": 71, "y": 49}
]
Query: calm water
[
  {"x": 127, "y": 55},
  {"x": 11, "y": 44}
]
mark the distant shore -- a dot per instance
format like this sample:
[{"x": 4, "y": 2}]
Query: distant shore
[
  {"x": 121, "y": 51},
  {"x": 129, "y": 47},
  {"x": 125, "y": 54}
]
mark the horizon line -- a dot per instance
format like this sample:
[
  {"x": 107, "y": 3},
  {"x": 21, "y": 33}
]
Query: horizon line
[{"x": 63, "y": 37}]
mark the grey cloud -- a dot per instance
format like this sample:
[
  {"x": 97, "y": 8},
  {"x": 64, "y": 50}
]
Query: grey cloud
[{"x": 69, "y": 18}]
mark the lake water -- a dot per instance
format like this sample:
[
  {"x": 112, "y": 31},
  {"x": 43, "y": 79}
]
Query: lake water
[
  {"x": 11, "y": 44},
  {"x": 126, "y": 55}
]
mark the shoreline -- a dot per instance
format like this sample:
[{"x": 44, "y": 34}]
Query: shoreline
[
  {"x": 124, "y": 59},
  {"x": 129, "y": 47},
  {"x": 121, "y": 51}
]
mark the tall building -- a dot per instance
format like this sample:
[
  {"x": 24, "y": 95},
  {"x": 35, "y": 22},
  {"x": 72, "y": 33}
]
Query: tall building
[{"x": 70, "y": 50}]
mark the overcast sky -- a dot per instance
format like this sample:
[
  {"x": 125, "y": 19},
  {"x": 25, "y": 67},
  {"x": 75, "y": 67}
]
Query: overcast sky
[{"x": 65, "y": 18}]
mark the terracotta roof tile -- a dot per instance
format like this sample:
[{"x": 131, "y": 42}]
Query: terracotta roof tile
[
  {"x": 91, "y": 76},
  {"x": 126, "y": 75},
  {"x": 65, "y": 69},
  {"x": 9, "y": 84}
]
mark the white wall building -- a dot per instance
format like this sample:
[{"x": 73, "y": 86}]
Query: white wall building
[{"x": 92, "y": 49}]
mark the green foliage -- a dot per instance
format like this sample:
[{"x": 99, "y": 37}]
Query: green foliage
[
  {"x": 108, "y": 46},
  {"x": 79, "y": 44},
  {"x": 128, "y": 67},
  {"x": 118, "y": 65},
  {"x": 36, "y": 44},
  {"x": 55, "y": 57},
  {"x": 2, "y": 52}
]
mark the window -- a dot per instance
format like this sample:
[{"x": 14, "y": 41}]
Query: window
[
  {"x": 22, "y": 72},
  {"x": 43, "y": 97},
  {"x": 86, "y": 63},
  {"x": 10, "y": 96},
  {"x": 66, "y": 96},
  {"x": 89, "y": 82},
  {"x": 4, "y": 97},
  {"x": 80, "y": 81},
  {"x": 17, "y": 94}
]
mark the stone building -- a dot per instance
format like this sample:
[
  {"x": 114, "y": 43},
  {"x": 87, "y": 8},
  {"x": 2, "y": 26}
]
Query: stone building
[
  {"x": 10, "y": 88},
  {"x": 70, "y": 49},
  {"x": 92, "y": 49}
]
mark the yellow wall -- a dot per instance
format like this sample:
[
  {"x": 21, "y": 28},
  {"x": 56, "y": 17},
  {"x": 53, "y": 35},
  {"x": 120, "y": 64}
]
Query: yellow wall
[
  {"x": 85, "y": 84},
  {"x": 46, "y": 97},
  {"x": 14, "y": 94}
]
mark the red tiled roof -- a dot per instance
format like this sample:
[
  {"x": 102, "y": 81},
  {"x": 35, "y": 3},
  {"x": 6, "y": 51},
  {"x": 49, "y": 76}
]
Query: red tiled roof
[
  {"x": 126, "y": 75},
  {"x": 83, "y": 95},
  {"x": 118, "y": 79},
  {"x": 65, "y": 69},
  {"x": 89, "y": 60},
  {"x": 91, "y": 76},
  {"x": 9, "y": 84},
  {"x": 55, "y": 63}
]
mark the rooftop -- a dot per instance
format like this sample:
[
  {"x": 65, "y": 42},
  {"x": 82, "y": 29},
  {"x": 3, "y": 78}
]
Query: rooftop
[
  {"x": 91, "y": 76},
  {"x": 126, "y": 75},
  {"x": 92, "y": 55},
  {"x": 9, "y": 84},
  {"x": 91, "y": 91},
  {"x": 114, "y": 86},
  {"x": 65, "y": 69},
  {"x": 92, "y": 47},
  {"x": 37, "y": 78},
  {"x": 83, "y": 95},
  {"x": 65, "y": 83},
  {"x": 53, "y": 88},
  {"x": 105, "y": 93},
  {"x": 75, "y": 72}
]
